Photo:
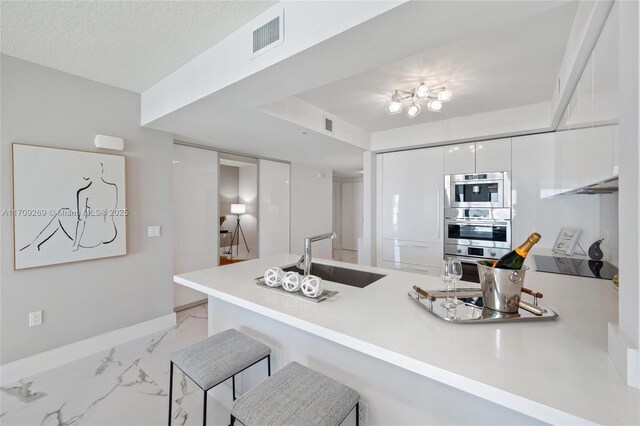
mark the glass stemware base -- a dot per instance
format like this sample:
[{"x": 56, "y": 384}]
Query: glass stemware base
[{"x": 449, "y": 302}]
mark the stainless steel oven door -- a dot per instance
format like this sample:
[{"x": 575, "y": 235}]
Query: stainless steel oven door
[{"x": 478, "y": 233}]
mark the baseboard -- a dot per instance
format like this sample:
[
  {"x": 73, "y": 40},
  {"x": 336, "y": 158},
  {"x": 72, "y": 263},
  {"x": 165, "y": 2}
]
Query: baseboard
[
  {"x": 34, "y": 364},
  {"x": 190, "y": 305},
  {"x": 625, "y": 357}
]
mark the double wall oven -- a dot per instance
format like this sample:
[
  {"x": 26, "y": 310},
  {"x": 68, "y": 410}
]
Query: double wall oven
[{"x": 477, "y": 214}]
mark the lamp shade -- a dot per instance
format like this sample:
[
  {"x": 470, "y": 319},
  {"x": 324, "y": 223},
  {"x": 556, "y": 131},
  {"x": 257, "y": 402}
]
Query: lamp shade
[{"x": 238, "y": 208}]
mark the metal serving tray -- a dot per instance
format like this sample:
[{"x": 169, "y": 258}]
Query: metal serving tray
[
  {"x": 469, "y": 313},
  {"x": 297, "y": 294}
]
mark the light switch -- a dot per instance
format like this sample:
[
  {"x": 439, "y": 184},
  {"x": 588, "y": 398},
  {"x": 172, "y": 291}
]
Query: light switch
[{"x": 153, "y": 231}]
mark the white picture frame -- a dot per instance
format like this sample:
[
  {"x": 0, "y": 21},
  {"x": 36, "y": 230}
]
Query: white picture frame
[
  {"x": 566, "y": 241},
  {"x": 68, "y": 205}
]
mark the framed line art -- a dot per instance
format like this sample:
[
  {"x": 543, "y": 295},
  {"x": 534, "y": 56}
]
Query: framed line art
[{"x": 68, "y": 205}]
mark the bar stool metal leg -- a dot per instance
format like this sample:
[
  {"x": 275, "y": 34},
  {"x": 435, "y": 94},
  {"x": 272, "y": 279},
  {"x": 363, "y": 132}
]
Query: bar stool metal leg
[
  {"x": 358, "y": 413},
  {"x": 269, "y": 365},
  {"x": 170, "y": 391},
  {"x": 233, "y": 386},
  {"x": 204, "y": 411}
]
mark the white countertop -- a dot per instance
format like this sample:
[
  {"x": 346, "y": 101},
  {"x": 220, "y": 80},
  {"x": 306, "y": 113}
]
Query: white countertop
[{"x": 555, "y": 371}]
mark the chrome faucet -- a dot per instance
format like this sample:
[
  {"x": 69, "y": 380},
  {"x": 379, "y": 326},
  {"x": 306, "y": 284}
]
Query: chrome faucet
[{"x": 305, "y": 261}]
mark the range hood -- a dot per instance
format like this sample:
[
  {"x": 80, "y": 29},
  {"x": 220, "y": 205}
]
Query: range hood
[{"x": 606, "y": 186}]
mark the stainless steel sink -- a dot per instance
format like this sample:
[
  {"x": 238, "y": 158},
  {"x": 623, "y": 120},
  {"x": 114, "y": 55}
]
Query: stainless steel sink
[{"x": 339, "y": 275}]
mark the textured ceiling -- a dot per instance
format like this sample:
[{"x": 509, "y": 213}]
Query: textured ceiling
[
  {"x": 498, "y": 68},
  {"x": 127, "y": 44}
]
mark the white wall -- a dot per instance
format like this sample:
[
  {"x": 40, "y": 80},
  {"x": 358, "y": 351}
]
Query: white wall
[
  {"x": 248, "y": 194},
  {"x": 350, "y": 211},
  {"x": 336, "y": 218},
  {"x": 533, "y": 175},
  {"x": 195, "y": 216},
  {"x": 42, "y": 106},
  {"x": 311, "y": 208},
  {"x": 273, "y": 207},
  {"x": 626, "y": 337}
]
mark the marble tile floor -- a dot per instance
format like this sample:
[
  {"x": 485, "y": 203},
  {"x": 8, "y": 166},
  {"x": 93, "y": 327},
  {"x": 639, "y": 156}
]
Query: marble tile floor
[{"x": 125, "y": 385}]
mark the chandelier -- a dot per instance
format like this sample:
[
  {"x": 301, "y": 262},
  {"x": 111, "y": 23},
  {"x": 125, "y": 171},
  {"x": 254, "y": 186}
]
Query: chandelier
[{"x": 434, "y": 97}]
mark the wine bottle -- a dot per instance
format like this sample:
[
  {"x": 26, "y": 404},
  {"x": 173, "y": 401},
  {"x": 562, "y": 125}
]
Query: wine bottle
[{"x": 515, "y": 259}]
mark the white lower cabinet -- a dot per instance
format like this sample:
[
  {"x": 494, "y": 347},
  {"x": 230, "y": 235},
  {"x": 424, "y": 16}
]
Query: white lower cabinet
[
  {"x": 412, "y": 252},
  {"x": 414, "y": 269}
]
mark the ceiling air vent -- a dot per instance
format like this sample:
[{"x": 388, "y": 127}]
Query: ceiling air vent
[
  {"x": 328, "y": 124},
  {"x": 269, "y": 35}
]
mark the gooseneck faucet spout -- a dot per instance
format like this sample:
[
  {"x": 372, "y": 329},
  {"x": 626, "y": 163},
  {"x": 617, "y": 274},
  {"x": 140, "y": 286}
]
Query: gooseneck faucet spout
[{"x": 305, "y": 261}]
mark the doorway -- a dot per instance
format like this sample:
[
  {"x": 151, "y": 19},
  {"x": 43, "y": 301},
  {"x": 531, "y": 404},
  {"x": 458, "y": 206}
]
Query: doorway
[
  {"x": 238, "y": 203},
  {"x": 348, "y": 200}
]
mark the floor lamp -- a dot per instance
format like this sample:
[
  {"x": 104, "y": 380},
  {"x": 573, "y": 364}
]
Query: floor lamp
[{"x": 238, "y": 209}]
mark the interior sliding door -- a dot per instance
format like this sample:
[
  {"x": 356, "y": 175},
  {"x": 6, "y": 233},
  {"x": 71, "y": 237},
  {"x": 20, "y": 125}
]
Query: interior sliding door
[{"x": 195, "y": 216}]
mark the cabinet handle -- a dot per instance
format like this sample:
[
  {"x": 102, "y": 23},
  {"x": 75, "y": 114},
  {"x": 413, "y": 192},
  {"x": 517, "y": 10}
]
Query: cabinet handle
[
  {"x": 411, "y": 245},
  {"x": 411, "y": 269}
]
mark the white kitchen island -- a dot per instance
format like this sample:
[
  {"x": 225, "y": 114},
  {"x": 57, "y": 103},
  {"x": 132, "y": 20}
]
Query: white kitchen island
[{"x": 413, "y": 368}]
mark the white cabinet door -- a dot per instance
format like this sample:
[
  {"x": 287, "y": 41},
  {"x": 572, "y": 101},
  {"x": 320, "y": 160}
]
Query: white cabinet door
[
  {"x": 460, "y": 158},
  {"x": 532, "y": 180},
  {"x": 584, "y": 96},
  {"x": 605, "y": 71},
  {"x": 493, "y": 156},
  {"x": 597, "y": 154},
  {"x": 414, "y": 269},
  {"x": 273, "y": 201},
  {"x": 567, "y": 160},
  {"x": 412, "y": 252},
  {"x": 412, "y": 194}
]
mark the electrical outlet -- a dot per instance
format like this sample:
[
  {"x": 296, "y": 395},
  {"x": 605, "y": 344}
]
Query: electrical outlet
[
  {"x": 363, "y": 413},
  {"x": 35, "y": 318}
]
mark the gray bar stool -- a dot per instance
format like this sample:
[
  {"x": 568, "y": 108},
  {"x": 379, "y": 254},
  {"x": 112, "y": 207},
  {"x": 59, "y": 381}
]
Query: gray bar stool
[
  {"x": 217, "y": 359},
  {"x": 296, "y": 395}
]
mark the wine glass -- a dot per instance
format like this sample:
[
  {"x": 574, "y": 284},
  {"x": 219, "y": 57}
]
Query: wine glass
[
  {"x": 455, "y": 271},
  {"x": 447, "y": 278}
]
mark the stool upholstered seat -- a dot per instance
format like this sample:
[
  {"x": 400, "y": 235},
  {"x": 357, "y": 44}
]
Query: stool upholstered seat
[
  {"x": 296, "y": 395},
  {"x": 217, "y": 358}
]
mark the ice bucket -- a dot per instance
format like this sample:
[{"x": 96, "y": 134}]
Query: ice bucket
[{"x": 501, "y": 288}]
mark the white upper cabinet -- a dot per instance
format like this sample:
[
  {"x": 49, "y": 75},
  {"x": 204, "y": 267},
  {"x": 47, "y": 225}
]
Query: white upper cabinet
[
  {"x": 478, "y": 157},
  {"x": 412, "y": 195},
  {"x": 587, "y": 141},
  {"x": 460, "y": 158},
  {"x": 605, "y": 71},
  {"x": 493, "y": 156}
]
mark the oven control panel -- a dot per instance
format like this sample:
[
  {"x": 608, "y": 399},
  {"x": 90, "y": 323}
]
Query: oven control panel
[{"x": 475, "y": 252}]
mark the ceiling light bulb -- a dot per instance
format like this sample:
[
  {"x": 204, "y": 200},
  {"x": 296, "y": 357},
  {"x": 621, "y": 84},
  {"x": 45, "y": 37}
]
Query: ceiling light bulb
[
  {"x": 444, "y": 95},
  {"x": 422, "y": 91},
  {"x": 394, "y": 107},
  {"x": 434, "y": 105},
  {"x": 413, "y": 110}
]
